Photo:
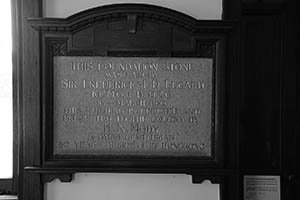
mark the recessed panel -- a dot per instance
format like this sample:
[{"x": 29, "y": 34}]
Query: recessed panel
[{"x": 133, "y": 106}]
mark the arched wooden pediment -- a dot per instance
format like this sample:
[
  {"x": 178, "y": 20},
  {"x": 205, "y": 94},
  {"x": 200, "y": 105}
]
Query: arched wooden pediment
[
  {"x": 124, "y": 12},
  {"x": 133, "y": 30}
]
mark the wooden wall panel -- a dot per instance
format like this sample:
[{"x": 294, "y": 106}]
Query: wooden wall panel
[
  {"x": 262, "y": 38},
  {"x": 269, "y": 121},
  {"x": 30, "y": 186},
  {"x": 290, "y": 102}
]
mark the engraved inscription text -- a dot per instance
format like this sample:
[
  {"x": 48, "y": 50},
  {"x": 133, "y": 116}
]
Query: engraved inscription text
[{"x": 132, "y": 106}]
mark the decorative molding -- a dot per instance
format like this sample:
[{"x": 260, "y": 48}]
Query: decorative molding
[
  {"x": 215, "y": 176},
  {"x": 93, "y": 16},
  {"x": 196, "y": 179},
  {"x": 64, "y": 178},
  {"x": 57, "y": 47},
  {"x": 207, "y": 49},
  {"x": 132, "y": 23}
]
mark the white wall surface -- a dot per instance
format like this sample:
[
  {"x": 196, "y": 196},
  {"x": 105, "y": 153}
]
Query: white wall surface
[
  {"x": 199, "y": 9},
  {"x": 6, "y": 108},
  {"x": 97, "y": 186}
]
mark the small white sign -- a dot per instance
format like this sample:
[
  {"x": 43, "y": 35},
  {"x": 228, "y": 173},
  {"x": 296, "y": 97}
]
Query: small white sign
[{"x": 261, "y": 187}]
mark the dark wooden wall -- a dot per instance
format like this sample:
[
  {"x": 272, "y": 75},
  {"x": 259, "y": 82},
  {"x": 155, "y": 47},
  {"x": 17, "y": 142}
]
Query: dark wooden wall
[
  {"x": 268, "y": 126},
  {"x": 27, "y": 90},
  {"x": 269, "y": 93},
  {"x": 269, "y": 117}
]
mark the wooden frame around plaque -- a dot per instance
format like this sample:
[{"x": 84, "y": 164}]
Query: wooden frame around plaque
[{"x": 141, "y": 32}]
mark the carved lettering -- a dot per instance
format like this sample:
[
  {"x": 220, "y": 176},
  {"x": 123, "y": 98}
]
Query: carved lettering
[{"x": 132, "y": 106}]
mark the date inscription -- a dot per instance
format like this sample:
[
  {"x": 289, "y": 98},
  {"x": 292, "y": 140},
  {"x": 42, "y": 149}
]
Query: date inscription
[{"x": 132, "y": 106}]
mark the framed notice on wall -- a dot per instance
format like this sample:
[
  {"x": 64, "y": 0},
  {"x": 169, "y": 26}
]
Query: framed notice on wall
[{"x": 262, "y": 187}]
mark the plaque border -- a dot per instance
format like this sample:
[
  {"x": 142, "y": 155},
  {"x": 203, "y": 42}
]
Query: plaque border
[{"x": 211, "y": 48}]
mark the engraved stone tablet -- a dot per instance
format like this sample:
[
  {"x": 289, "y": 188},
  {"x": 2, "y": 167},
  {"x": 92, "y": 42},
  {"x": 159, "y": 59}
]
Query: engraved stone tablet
[{"x": 133, "y": 106}]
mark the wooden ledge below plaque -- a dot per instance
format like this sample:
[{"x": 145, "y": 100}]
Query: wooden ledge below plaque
[{"x": 66, "y": 174}]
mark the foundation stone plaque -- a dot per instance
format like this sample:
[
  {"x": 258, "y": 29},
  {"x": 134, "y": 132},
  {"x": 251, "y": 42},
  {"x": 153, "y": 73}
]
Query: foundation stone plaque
[{"x": 133, "y": 106}]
